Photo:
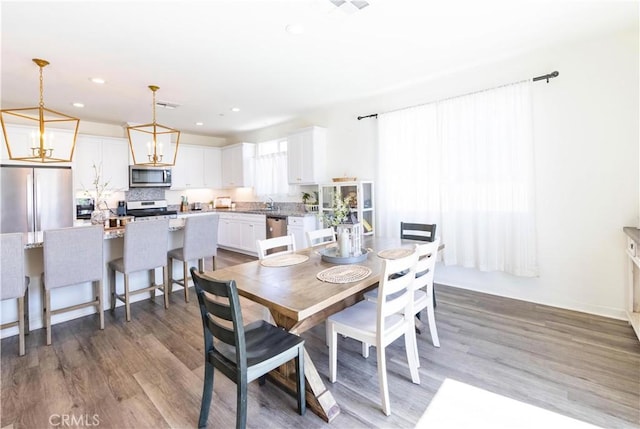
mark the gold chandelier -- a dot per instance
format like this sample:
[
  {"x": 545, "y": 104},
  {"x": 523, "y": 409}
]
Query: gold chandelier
[
  {"x": 148, "y": 142},
  {"x": 38, "y": 134}
]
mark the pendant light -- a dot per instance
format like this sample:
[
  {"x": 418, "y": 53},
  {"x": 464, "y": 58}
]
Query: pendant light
[
  {"x": 149, "y": 142},
  {"x": 38, "y": 134}
]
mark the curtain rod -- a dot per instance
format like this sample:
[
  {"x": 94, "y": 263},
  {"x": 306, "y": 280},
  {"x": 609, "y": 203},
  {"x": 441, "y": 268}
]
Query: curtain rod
[{"x": 537, "y": 78}]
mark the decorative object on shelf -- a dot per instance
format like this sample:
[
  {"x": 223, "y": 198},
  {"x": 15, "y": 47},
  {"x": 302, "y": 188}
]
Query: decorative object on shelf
[
  {"x": 309, "y": 204},
  {"x": 101, "y": 212},
  {"x": 46, "y": 145},
  {"x": 340, "y": 211},
  {"x": 152, "y": 138},
  {"x": 344, "y": 179}
]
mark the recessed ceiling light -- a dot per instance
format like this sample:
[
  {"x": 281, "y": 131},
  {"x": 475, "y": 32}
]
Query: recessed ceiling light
[
  {"x": 294, "y": 29},
  {"x": 199, "y": 124},
  {"x": 97, "y": 80},
  {"x": 235, "y": 109},
  {"x": 77, "y": 104}
]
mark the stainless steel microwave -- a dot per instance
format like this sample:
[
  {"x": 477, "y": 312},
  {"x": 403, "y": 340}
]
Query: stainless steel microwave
[{"x": 143, "y": 176}]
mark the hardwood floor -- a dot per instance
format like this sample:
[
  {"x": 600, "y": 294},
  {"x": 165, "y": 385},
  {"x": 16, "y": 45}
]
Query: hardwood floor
[{"x": 148, "y": 373}]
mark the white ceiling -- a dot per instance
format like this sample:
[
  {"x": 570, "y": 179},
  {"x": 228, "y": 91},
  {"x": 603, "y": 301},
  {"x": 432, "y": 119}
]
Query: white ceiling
[{"x": 210, "y": 56}]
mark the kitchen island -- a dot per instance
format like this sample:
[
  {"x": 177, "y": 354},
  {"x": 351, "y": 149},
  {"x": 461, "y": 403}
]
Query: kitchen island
[{"x": 112, "y": 248}]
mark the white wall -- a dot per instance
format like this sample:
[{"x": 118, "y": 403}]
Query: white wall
[{"x": 586, "y": 154}]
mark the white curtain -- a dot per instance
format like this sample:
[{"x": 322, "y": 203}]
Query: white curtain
[
  {"x": 271, "y": 174},
  {"x": 466, "y": 164}
]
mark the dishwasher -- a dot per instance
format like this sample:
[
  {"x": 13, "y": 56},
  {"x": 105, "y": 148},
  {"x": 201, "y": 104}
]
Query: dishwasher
[{"x": 276, "y": 227}]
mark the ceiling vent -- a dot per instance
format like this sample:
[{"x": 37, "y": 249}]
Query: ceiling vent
[
  {"x": 350, "y": 6},
  {"x": 167, "y": 105}
]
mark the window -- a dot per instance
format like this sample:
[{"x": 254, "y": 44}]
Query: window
[{"x": 271, "y": 169}]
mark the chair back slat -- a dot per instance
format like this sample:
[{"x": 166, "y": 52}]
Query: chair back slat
[
  {"x": 12, "y": 270},
  {"x": 201, "y": 237},
  {"x": 287, "y": 241},
  {"x": 425, "y": 267},
  {"x": 395, "y": 292},
  {"x": 321, "y": 236},
  {"x": 219, "y": 300},
  {"x": 418, "y": 231}
]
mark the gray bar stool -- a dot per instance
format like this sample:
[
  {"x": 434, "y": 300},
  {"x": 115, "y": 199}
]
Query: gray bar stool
[
  {"x": 72, "y": 256},
  {"x": 200, "y": 242},
  {"x": 13, "y": 281},
  {"x": 145, "y": 248}
]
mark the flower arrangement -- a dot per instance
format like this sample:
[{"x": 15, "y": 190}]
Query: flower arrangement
[
  {"x": 341, "y": 211},
  {"x": 99, "y": 190}
]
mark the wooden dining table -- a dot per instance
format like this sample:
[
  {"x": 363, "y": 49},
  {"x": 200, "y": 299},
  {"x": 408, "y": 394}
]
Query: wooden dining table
[{"x": 298, "y": 301}]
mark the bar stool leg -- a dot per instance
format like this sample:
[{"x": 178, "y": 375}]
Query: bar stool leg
[
  {"x": 164, "y": 286},
  {"x": 127, "y": 310},
  {"x": 152, "y": 281},
  {"x": 47, "y": 306},
  {"x": 99, "y": 304},
  {"x": 21, "y": 324},
  {"x": 170, "y": 265},
  {"x": 185, "y": 280},
  {"x": 112, "y": 288},
  {"x": 26, "y": 311}
]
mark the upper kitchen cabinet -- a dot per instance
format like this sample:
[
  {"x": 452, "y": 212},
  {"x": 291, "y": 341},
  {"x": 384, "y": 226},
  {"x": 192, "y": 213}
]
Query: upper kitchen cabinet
[
  {"x": 306, "y": 156},
  {"x": 109, "y": 154},
  {"x": 197, "y": 167},
  {"x": 237, "y": 168}
]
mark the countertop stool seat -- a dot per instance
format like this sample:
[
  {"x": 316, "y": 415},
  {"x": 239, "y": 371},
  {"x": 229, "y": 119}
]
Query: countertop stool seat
[
  {"x": 200, "y": 242},
  {"x": 72, "y": 256},
  {"x": 14, "y": 282},
  {"x": 145, "y": 248}
]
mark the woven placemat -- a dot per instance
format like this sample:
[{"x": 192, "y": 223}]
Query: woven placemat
[
  {"x": 344, "y": 274},
  {"x": 284, "y": 260},
  {"x": 395, "y": 253}
]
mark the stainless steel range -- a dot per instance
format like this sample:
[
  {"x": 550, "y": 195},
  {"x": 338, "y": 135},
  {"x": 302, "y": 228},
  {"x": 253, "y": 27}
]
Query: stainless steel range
[{"x": 145, "y": 210}]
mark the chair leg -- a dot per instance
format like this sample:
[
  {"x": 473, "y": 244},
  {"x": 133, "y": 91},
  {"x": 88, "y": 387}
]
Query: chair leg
[
  {"x": 382, "y": 380},
  {"x": 213, "y": 263},
  {"x": 21, "y": 325},
  {"x": 112, "y": 288},
  {"x": 26, "y": 308},
  {"x": 152, "y": 281},
  {"x": 365, "y": 350},
  {"x": 127, "y": 309},
  {"x": 241, "y": 410},
  {"x": 434, "y": 296},
  {"x": 432, "y": 326},
  {"x": 164, "y": 286},
  {"x": 185, "y": 269},
  {"x": 98, "y": 286},
  {"x": 411, "y": 346},
  {"x": 47, "y": 306},
  {"x": 207, "y": 393},
  {"x": 333, "y": 351},
  {"x": 300, "y": 382},
  {"x": 170, "y": 277}
]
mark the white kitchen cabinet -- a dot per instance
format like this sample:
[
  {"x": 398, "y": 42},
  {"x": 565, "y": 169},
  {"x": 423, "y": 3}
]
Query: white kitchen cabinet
[
  {"x": 306, "y": 156},
  {"x": 239, "y": 231},
  {"x": 298, "y": 226},
  {"x": 196, "y": 167},
  {"x": 237, "y": 165},
  {"x": 362, "y": 201},
  {"x": 109, "y": 154},
  {"x": 212, "y": 175}
]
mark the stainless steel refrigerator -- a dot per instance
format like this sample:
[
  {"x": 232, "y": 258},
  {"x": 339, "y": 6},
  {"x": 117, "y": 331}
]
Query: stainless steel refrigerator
[{"x": 35, "y": 198}]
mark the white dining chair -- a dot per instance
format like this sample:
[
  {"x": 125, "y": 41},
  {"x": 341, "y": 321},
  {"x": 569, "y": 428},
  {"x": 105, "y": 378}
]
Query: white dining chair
[
  {"x": 320, "y": 237},
  {"x": 381, "y": 323},
  {"x": 422, "y": 286},
  {"x": 278, "y": 246}
]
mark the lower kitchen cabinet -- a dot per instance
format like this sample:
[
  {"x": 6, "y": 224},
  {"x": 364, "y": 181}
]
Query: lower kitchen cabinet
[
  {"x": 298, "y": 226},
  {"x": 239, "y": 232}
]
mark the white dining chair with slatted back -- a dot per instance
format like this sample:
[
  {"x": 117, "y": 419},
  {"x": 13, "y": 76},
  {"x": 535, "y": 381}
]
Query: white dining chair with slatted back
[
  {"x": 145, "y": 249},
  {"x": 72, "y": 256},
  {"x": 200, "y": 242},
  {"x": 14, "y": 283},
  {"x": 381, "y": 323},
  {"x": 422, "y": 286},
  {"x": 321, "y": 237},
  {"x": 277, "y": 245},
  {"x": 419, "y": 232}
]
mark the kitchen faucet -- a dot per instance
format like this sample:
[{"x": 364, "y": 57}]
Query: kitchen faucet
[{"x": 270, "y": 204}]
